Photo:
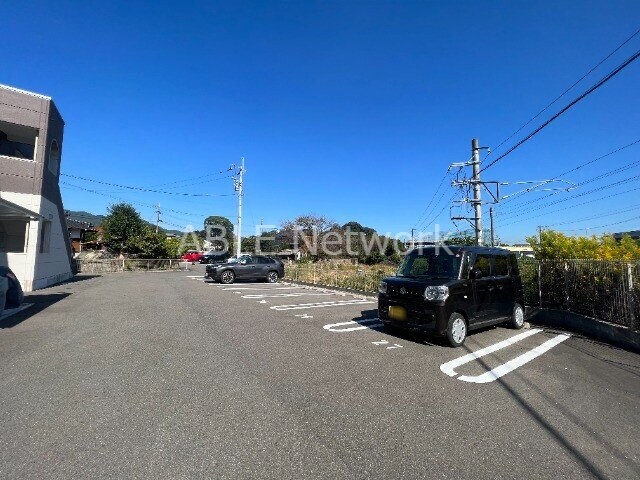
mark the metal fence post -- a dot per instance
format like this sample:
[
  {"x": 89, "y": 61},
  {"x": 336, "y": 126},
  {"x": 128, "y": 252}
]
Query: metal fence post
[
  {"x": 540, "y": 283},
  {"x": 567, "y": 305},
  {"x": 631, "y": 303}
]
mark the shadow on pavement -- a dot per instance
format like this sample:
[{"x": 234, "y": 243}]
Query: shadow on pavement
[{"x": 40, "y": 303}]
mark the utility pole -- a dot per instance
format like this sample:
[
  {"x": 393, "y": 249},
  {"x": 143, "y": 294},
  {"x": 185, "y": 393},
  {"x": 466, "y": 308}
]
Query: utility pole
[
  {"x": 237, "y": 183},
  {"x": 413, "y": 243},
  {"x": 158, "y": 212},
  {"x": 477, "y": 190},
  {"x": 493, "y": 240}
]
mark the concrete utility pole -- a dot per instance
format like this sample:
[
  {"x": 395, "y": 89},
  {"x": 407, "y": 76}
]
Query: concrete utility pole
[
  {"x": 237, "y": 182},
  {"x": 413, "y": 243},
  {"x": 477, "y": 190},
  {"x": 493, "y": 240}
]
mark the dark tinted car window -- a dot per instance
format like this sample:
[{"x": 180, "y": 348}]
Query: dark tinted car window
[
  {"x": 248, "y": 260},
  {"x": 500, "y": 266},
  {"x": 264, "y": 260},
  {"x": 483, "y": 263},
  {"x": 513, "y": 264}
]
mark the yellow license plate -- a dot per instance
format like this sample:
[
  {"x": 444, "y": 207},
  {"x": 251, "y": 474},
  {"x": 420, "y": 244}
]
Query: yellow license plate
[{"x": 397, "y": 313}]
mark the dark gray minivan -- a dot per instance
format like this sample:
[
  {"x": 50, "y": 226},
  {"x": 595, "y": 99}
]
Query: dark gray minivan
[{"x": 450, "y": 290}]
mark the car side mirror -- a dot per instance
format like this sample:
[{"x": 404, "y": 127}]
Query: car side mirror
[{"x": 476, "y": 274}]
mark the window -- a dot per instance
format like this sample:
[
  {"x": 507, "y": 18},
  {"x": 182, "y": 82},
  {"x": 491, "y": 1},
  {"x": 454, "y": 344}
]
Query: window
[
  {"x": 45, "y": 236},
  {"x": 483, "y": 263},
  {"x": 13, "y": 236},
  {"x": 513, "y": 264},
  {"x": 18, "y": 141},
  {"x": 500, "y": 266},
  {"x": 425, "y": 263},
  {"x": 264, "y": 260},
  {"x": 54, "y": 157}
]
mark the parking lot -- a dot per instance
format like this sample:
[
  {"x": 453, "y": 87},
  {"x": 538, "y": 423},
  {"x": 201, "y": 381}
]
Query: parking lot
[{"x": 161, "y": 374}]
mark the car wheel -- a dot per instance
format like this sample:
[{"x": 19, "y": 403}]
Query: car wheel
[
  {"x": 456, "y": 330},
  {"x": 517, "y": 320},
  {"x": 227, "y": 277},
  {"x": 272, "y": 277}
]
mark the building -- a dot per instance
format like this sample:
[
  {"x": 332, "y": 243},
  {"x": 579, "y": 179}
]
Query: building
[
  {"x": 34, "y": 241},
  {"x": 77, "y": 230},
  {"x": 635, "y": 234}
]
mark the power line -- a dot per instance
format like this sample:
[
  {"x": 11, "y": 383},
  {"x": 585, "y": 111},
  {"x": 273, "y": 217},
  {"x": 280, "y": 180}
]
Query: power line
[
  {"x": 615, "y": 171},
  {"x": 576, "y": 168},
  {"x": 605, "y": 215},
  {"x": 567, "y": 90},
  {"x": 142, "y": 189},
  {"x": 194, "y": 178},
  {"x": 592, "y": 89},
  {"x": 603, "y": 226},
  {"x": 432, "y": 198}
]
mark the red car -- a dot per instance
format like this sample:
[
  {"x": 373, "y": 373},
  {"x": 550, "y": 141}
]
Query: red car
[{"x": 192, "y": 256}]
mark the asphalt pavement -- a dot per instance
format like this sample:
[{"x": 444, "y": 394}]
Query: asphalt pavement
[{"x": 161, "y": 375}]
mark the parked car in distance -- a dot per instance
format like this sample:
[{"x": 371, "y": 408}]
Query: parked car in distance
[
  {"x": 214, "y": 257},
  {"x": 192, "y": 256},
  {"x": 452, "y": 290},
  {"x": 246, "y": 267},
  {"x": 11, "y": 290}
]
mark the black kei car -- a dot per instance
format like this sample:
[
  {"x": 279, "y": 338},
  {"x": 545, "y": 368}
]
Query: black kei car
[
  {"x": 246, "y": 267},
  {"x": 450, "y": 290}
]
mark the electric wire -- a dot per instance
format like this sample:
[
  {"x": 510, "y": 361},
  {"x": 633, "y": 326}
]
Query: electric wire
[
  {"x": 613, "y": 52},
  {"x": 590, "y": 90}
]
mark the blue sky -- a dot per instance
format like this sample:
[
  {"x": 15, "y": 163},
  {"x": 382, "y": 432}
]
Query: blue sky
[{"x": 352, "y": 110}]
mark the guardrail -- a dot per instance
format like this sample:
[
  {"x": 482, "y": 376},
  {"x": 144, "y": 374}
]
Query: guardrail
[{"x": 126, "y": 265}]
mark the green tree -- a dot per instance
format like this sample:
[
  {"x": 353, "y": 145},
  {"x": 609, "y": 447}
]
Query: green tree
[
  {"x": 121, "y": 224},
  {"x": 556, "y": 245},
  {"x": 148, "y": 244},
  {"x": 217, "y": 227}
]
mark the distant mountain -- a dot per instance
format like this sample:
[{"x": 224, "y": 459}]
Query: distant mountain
[
  {"x": 96, "y": 220},
  {"x": 82, "y": 216}
]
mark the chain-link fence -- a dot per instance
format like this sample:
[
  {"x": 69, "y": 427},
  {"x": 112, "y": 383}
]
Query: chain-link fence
[
  {"x": 607, "y": 290},
  {"x": 125, "y": 265}
]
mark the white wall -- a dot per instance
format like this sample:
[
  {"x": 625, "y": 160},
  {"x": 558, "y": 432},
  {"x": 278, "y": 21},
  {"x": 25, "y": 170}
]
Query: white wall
[{"x": 37, "y": 270}]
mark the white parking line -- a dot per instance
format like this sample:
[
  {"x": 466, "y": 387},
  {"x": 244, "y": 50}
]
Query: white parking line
[
  {"x": 449, "y": 367},
  {"x": 332, "y": 327},
  {"x": 261, "y": 289},
  {"x": 511, "y": 365},
  {"x": 338, "y": 303},
  {"x": 278, "y": 295},
  {"x": 501, "y": 370}
]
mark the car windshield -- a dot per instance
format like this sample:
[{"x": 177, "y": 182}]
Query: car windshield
[{"x": 426, "y": 264}]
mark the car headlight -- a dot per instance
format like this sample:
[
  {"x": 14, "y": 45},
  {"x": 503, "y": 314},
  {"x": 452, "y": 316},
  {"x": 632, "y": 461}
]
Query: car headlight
[
  {"x": 436, "y": 294},
  {"x": 383, "y": 287}
]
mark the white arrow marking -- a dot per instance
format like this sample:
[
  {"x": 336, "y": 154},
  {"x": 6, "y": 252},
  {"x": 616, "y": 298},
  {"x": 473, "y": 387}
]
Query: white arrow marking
[
  {"x": 332, "y": 326},
  {"x": 511, "y": 365}
]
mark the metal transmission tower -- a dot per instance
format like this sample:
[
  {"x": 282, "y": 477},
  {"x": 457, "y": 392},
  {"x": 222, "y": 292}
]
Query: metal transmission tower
[
  {"x": 476, "y": 185},
  {"x": 237, "y": 176},
  {"x": 158, "y": 213}
]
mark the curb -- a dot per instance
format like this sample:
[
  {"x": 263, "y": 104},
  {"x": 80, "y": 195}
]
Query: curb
[{"x": 610, "y": 333}]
